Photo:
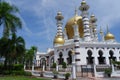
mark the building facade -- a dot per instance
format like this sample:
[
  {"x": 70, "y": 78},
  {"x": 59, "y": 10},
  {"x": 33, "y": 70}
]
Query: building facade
[{"x": 80, "y": 37}]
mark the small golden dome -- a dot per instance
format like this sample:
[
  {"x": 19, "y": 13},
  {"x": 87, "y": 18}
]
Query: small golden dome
[
  {"x": 59, "y": 40},
  {"x": 109, "y": 36},
  {"x": 69, "y": 26},
  {"x": 83, "y": 2}
]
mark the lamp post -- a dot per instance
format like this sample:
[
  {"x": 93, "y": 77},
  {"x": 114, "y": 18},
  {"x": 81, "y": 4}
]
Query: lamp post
[{"x": 73, "y": 66}]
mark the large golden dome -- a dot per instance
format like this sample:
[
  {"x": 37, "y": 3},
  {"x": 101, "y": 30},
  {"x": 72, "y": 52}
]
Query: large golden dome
[
  {"x": 69, "y": 27},
  {"x": 59, "y": 40},
  {"x": 109, "y": 36}
]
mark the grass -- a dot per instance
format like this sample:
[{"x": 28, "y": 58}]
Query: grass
[{"x": 20, "y": 78}]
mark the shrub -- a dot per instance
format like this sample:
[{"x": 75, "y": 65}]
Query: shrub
[
  {"x": 54, "y": 65},
  {"x": 27, "y": 74},
  {"x": 64, "y": 65},
  {"x": 108, "y": 71},
  {"x": 18, "y": 72},
  {"x": 18, "y": 67},
  {"x": 67, "y": 75}
]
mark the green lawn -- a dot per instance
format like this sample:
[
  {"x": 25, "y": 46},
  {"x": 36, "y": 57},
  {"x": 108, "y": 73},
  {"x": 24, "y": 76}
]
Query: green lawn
[{"x": 20, "y": 78}]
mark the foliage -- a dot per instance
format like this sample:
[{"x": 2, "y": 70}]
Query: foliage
[
  {"x": 20, "y": 78},
  {"x": 64, "y": 65},
  {"x": 9, "y": 19},
  {"x": 55, "y": 72},
  {"x": 116, "y": 62},
  {"x": 108, "y": 71},
  {"x": 12, "y": 49},
  {"x": 67, "y": 75},
  {"x": 54, "y": 65},
  {"x": 30, "y": 55},
  {"x": 18, "y": 67}
]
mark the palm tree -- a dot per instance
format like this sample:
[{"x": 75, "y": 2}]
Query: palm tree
[
  {"x": 8, "y": 18},
  {"x": 17, "y": 48},
  {"x": 4, "y": 49},
  {"x": 12, "y": 49}
]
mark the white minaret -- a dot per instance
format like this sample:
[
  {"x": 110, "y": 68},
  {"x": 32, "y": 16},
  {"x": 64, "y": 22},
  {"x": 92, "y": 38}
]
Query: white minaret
[
  {"x": 101, "y": 34},
  {"x": 93, "y": 25},
  {"x": 59, "y": 38},
  {"x": 59, "y": 19},
  {"x": 84, "y": 9}
]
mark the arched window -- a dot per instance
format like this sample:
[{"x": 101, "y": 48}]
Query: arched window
[
  {"x": 111, "y": 53},
  {"x": 60, "y": 59},
  {"x": 90, "y": 59},
  {"x": 69, "y": 59},
  {"x": 101, "y": 59}
]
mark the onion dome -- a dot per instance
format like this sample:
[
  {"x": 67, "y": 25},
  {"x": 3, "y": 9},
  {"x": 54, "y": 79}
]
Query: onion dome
[
  {"x": 69, "y": 26},
  {"x": 109, "y": 36},
  {"x": 59, "y": 40},
  {"x": 83, "y": 2},
  {"x": 93, "y": 19}
]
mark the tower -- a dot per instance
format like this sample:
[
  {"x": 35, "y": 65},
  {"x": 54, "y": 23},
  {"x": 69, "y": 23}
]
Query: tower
[
  {"x": 93, "y": 25},
  {"x": 59, "y": 39},
  {"x": 84, "y": 9}
]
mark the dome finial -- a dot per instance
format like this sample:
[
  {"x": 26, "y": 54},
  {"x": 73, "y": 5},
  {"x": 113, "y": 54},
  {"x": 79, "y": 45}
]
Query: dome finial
[
  {"x": 76, "y": 12},
  {"x": 101, "y": 31},
  {"x": 107, "y": 29}
]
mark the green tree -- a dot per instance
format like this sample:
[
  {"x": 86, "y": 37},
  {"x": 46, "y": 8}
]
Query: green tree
[
  {"x": 12, "y": 49},
  {"x": 8, "y": 18},
  {"x": 17, "y": 48},
  {"x": 29, "y": 56}
]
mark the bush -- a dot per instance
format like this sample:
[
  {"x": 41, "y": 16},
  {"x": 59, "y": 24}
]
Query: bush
[
  {"x": 18, "y": 72},
  {"x": 27, "y": 74},
  {"x": 64, "y": 65},
  {"x": 67, "y": 75},
  {"x": 54, "y": 65},
  {"x": 18, "y": 67}
]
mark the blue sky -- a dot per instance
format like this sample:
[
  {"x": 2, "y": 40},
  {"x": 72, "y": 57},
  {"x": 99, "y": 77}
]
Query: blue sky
[{"x": 39, "y": 24}]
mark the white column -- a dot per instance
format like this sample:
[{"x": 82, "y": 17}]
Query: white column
[
  {"x": 73, "y": 67},
  {"x": 43, "y": 67},
  {"x": 33, "y": 67},
  {"x": 24, "y": 67}
]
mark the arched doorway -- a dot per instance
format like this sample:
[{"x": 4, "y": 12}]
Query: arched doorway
[
  {"x": 60, "y": 59},
  {"x": 101, "y": 59},
  {"x": 90, "y": 59},
  {"x": 111, "y": 53},
  {"x": 69, "y": 59},
  {"x": 42, "y": 62}
]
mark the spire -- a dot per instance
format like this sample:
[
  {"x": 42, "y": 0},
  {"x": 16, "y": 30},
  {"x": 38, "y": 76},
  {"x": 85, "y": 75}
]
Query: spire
[
  {"x": 101, "y": 31},
  {"x": 76, "y": 12},
  {"x": 107, "y": 29}
]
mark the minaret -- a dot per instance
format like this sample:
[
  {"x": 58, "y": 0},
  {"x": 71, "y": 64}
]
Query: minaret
[
  {"x": 84, "y": 9},
  {"x": 93, "y": 21},
  {"x": 101, "y": 34},
  {"x": 59, "y": 39},
  {"x": 76, "y": 48}
]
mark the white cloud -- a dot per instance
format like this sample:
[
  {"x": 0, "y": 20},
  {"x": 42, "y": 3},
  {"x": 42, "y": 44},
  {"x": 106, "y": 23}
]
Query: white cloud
[{"x": 106, "y": 11}]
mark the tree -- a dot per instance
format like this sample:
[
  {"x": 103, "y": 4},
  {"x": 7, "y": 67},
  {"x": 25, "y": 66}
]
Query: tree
[
  {"x": 8, "y": 18},
  {"x": 17, "y": 48},
  {"x": 29, "y": 55},
  {"x": 12, "y": 49}
]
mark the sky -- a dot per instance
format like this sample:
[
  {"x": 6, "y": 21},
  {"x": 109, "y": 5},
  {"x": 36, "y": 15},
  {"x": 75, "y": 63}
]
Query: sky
[{"x": 39, "y": 24}]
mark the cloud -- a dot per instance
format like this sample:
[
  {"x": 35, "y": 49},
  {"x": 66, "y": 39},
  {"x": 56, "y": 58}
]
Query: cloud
[{"x": 44, "y": 11}]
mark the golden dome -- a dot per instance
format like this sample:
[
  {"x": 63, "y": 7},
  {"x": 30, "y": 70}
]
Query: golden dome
[
  {"x": 109, "y": 36},
  {"x": 59, "y": 40},
  {"x": 69, "y": 27}
]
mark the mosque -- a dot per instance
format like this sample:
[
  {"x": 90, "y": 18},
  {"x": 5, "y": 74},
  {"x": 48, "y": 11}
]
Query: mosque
[{"x": 79, "y": 38}]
